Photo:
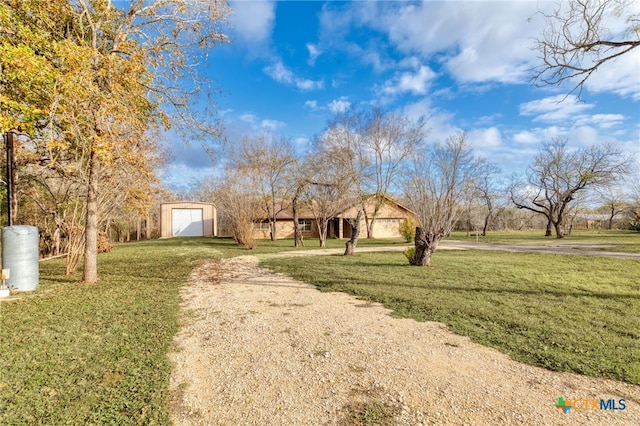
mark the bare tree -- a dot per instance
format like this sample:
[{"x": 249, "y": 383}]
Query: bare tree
[
  {"x": 558, "y": 175},
  {"x": 237, "y": 200},
  {"x": 342, "y": 146},
  {"x": 614, "y": 203},
  {"x": 486, "y": 191},
  {"x": 577, "y": 39},
  {"x": 325, "y": 190},
  {"x": 269, "y": 162},
  {"x": 391, "y": 139},
  {"x": 370, "y": 147},
  {"x": 434, "y": 189}
]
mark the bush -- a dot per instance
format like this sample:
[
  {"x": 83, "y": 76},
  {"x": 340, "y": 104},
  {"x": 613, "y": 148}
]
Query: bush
[
  {"x": 634, "y": 225},
  {"x": 409, "y": 253},
  {"x": 407, "y": 229}
]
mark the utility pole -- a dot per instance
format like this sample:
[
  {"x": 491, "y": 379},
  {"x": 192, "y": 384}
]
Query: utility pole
[{"x": 11, "y": 207}]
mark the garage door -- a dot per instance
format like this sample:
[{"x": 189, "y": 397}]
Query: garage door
[{"x": 187, "y": 223}]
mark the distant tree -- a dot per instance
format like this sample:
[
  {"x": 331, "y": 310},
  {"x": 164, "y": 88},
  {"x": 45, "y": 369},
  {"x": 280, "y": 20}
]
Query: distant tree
[
  {"x": 236, "y": 198},
  {"x": 577, "y": 39},
  {"x": 391, "y": 139},
  {"x": 558, "y": 175},
  {"x": 485, "y": 189},
  {"x": 326, "y": 187},
  {"x": 613, "y": 203},
  {"x": 434, "y": 189},
  {"x": 371, "y": 147},
  {"x": 269, "y": 162}
]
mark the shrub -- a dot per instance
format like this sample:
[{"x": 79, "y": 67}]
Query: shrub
[
  {"x": 407, "y": 229},
  {"x": 409, "y": 253}
]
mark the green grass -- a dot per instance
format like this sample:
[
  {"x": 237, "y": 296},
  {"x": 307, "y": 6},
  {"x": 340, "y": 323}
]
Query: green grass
[
  {"x": 230, "y": 248},
  {"x": 96, "y": 354},
  {"x": 568, "y": 313},
  {"x": 622, "y": 241},
  {"x": 72, "y": 353}
]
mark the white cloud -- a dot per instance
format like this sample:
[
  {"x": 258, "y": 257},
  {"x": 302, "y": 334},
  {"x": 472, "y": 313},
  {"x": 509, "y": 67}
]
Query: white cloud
[
  {"x": 485, "y": 139},
  {"x": 416, "y": 83},
  {"x": 475, "y": 41},
  {"x": 313, "y": 105},
  {"x": 339, "y": 105},
  {"x": 252, "y": 21},
  {"x": 280, "y": 73},
  {"x": 314, "y": 52},
  {"x": 248, "y": 118},
  {"x": 272, "y": 125},
  {"x": 603, "y": 121},
  {"x": 621, "y": 76},
  {"x": 438, "y": 124},
  {"x": 555, "y": 109}
]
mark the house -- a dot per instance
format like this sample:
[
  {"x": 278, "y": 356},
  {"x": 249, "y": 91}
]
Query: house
[
  {"x": 188, "y": 219},
  {"x": 386, "y": 224}
]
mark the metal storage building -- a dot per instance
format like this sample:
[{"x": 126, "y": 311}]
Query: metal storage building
[{"x": 188, "y": 219}]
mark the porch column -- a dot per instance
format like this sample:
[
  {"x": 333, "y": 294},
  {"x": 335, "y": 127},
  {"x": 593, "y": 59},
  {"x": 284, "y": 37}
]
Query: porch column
[{"x": 340, "y": 228}]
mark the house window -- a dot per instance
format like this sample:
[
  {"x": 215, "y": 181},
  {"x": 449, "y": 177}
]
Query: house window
[
  {"x": 305, "y": 225},
  {"x": 262, "y": 226}
]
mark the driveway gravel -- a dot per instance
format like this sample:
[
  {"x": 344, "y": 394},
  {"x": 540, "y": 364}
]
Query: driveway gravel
[{"x": 257, "y": 348}]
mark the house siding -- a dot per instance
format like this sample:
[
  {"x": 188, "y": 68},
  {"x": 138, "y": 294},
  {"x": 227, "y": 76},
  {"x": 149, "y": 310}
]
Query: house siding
[{"x": 209, "y": 217}]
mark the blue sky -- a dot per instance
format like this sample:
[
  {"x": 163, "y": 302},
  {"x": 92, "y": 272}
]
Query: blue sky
[{"x": 464, "y": 65}]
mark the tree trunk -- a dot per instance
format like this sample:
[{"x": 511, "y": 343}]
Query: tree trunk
[
  {"x": 425, "y": 247},
  {"x": 273, "y": 229},
  {"x": 350, "y": 246},
  {"x": 90, "y": 271},
  {"x": 368, "y": 224},
  {"x": 322, "y": 232},
  {"x": 297, "y": 234},
  {"x": 548, "y": 232},
  {"x": 486, "y": 225},
  {"x": 558, "y": 227},
  {"x": 147, "y": 227}
]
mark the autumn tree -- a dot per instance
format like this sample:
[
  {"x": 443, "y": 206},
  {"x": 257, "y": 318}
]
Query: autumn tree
[
  {"x": 581, "y": 36},
  {"x": 558, "y": 175},
  {"x": 105, "y": 76},
  {"x": 268, "y": 162},
  {"x": 434, "y": 188}
]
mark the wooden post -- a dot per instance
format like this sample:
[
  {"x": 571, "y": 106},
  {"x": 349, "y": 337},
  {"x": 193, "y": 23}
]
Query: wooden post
[{"x": 11, "y": 189}]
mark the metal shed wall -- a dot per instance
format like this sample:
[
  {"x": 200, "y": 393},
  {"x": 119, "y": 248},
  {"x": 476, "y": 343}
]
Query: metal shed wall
[{"x": 209, "y": 217}]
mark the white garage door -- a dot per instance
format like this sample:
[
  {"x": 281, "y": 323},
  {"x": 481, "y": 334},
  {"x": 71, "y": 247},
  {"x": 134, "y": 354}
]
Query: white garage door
[{"x": 187, "y": 222}]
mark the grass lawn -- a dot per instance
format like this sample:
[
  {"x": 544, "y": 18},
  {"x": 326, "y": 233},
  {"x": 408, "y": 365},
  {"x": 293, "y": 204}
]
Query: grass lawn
[
  {"x": 568, "y": 313},
  {"x": 616, "y": 240},
  {"x": 72, "y": 353},
  {"x": 81, "y": 354}
]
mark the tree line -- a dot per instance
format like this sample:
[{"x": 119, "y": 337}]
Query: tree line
[{"x": 364, "y": 156}]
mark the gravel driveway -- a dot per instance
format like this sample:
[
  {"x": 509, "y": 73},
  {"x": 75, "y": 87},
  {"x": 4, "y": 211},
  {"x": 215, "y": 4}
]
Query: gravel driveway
[{"x": 257, "y": 348}]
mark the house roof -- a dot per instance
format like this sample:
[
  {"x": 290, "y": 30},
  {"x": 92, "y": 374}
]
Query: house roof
[{"x": 304, "y": 212}]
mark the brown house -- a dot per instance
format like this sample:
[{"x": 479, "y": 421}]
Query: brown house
[{"x": 385, "y": 226}]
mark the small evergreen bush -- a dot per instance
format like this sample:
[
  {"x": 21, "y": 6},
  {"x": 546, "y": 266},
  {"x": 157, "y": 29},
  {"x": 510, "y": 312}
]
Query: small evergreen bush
[{"x": 407, "y": 229}]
